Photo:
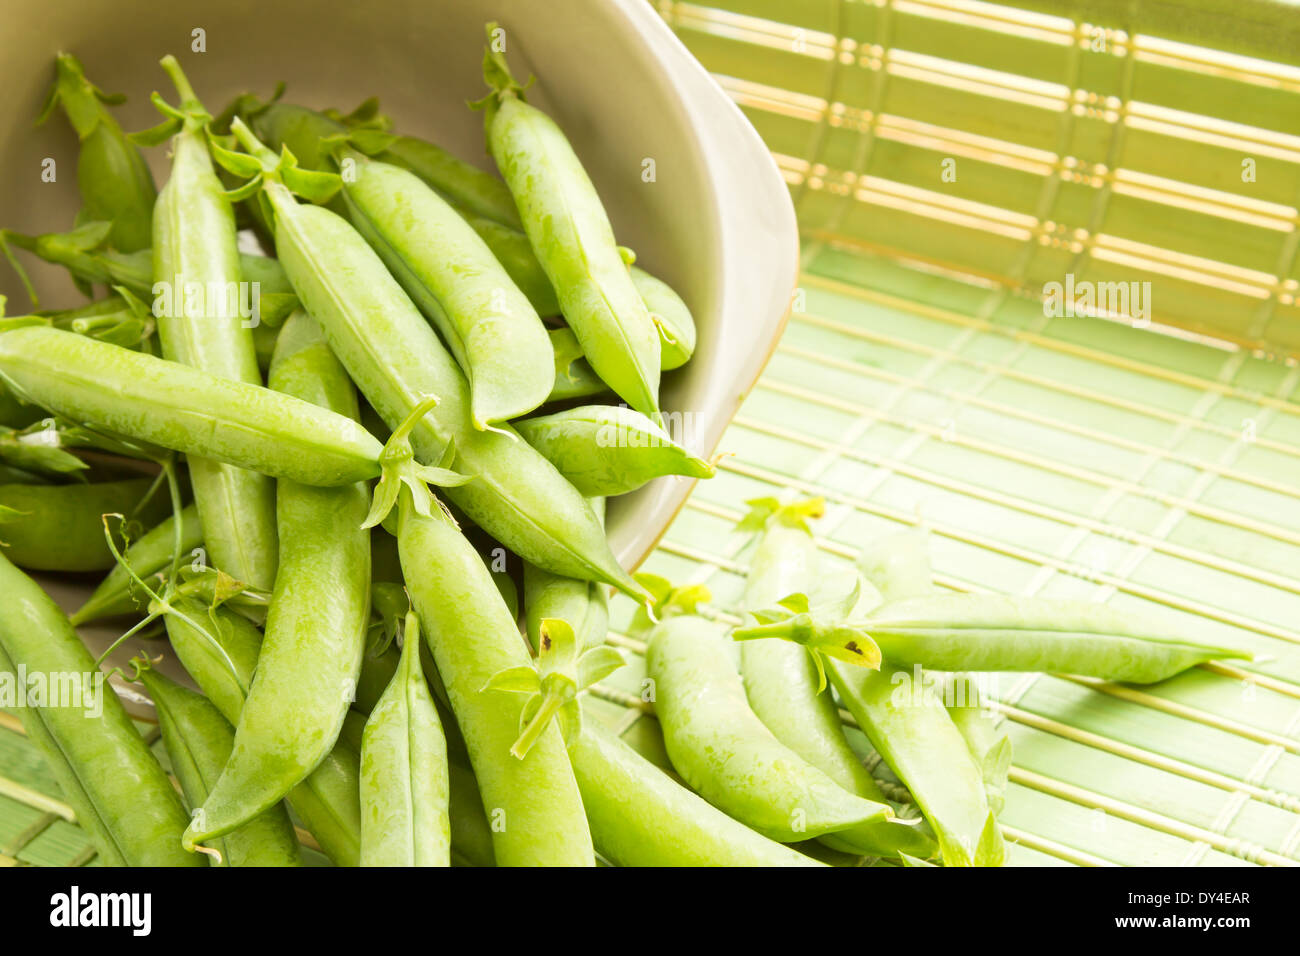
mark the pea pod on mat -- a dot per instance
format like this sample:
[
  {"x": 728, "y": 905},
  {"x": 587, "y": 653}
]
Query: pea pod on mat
[
  {"x": 396, "y": 360},
  {"x": 310, "y": 657},
  {"x": 722, "y": 750},
  {"x": 640, "y": 816},
  {"x": 607, "y": 450},
  {"x": 121, "y": 796},
  {"x": 490, "y": 327},
  {"x": 185, "y": 409},
  {"x": 533, "y": 803},
  {"x": 36, "y": 449},
  {"x": 571, "y": 235},
  {"x": 61, "y": 527},
  {"x": 219, "y": 649},
  {"x": 404, "y": 779},
  {"x": 195, "y": 249},
  {"x": 198, "y": 741},
  {"x": 113, "y": 177},
  {"x": 783, "y": 684},
  {"x": 992, "y": 632}
]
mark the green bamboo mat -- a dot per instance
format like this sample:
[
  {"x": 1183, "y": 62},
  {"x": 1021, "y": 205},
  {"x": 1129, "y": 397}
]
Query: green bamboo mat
[{"x": 919, "y": 383}]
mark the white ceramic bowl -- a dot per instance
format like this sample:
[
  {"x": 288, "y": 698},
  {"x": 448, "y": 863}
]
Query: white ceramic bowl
[{"x": 716, "y": 222}]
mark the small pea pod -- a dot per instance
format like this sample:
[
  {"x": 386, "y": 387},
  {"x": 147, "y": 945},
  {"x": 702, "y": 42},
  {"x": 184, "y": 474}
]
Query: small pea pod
[
  {"x": 310, "y": 657},
  {"x": 490, "y": 327},
  {"x": 219, "y": 649},
  {"x": 607, "y": 450},
  {"x": 583, "y": 604},
  {"x": 404, "y": 779},
  {"x": 640, "y": 816},
  {"x": 61, "y": 527},
  {"x": 723, "y": 751},
  {"x": 185, "y": 409},
  {"x": 783, "y": 683},
  {"x": 395, "y": 358},
  {"x": 672, "y": 318},
  {"x": 198, "y": 740},
  {"x": 121, "y": 796},
  {"x": 113, "y": 177},
  {"x": 37, "y": 450},
  {"x": 533, "y": 803},
  {"x": 570, "y": 233},
  {"x": 149, "y": 553},
  {"x": 992, "y": 632}
]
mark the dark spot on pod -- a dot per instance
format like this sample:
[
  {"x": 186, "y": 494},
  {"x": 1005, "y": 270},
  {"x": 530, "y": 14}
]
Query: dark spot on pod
[{"x": 853, "y": 646}]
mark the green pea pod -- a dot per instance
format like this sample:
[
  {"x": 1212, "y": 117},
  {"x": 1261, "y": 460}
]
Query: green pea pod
[
  {"x": 583, "y": 604},
  {"x": 640, "y": 816},
  {"x": 186, "y": 409},
  {"x": 315, "y": 631},
  {"x": 607, "y": 450},
  {"x": 61, "y": 527},
  {"x": 37, "y": 450},
  {"x": 533, "y": 803},
  {"x": 151, "y": 552},
  {"x": 909, "y": 727},
  {"x": 121, "y": 796},
  {"x": 396, "y": 360},
  {"x": 724, "y": 752},
  {"x": 572, "y": 238},
  {"x": 113, "y": 177},
  {"x": 404, "y": 780},
  {"x": 992, "y": 632},
  {"x": 471, "y": 837},
  {"x": 195, "y": 250},
  {"x": 222, "y": 658},
  {"x": 490, "y": 327},
  {"x": 198, "y": 740},
  {"x": 672, "y": 318},
  {"x": 783, "y": 685}
]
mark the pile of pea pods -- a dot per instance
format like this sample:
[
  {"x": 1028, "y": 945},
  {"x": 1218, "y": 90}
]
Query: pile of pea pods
[{"x": 310, "y": 506}]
